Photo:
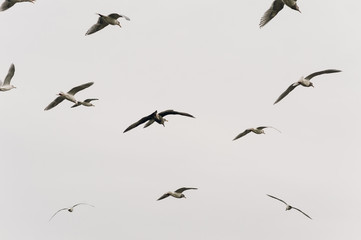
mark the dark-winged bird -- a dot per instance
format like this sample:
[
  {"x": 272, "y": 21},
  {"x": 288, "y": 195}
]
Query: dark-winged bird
[
  {"x": 86, "y": 102},
  {"x": 6, "y": 85},
  {"x": 69, "y": 209},
  {"x": 156, "y": 117},
  {"x": 177, "y": 194},
  {"x": 258, "y": 130},
  {"x": 277, "y": 6},
  {"x": 9, "y": 3},
  {"x": 104, "y": 21}
]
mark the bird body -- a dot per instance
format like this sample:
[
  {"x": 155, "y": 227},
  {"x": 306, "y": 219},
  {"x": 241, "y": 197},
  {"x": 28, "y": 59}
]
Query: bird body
[
  {"x": 68, "y": 96},
  {"x": 176, "y": 194},
  {"x": 304, "y": 81},
  {"x": 9, "y": 3},
  {"x": 258, "y": 130},
  {"x": 103, "y": 21},
  {"x": 289, "y": 207},
  {"x": 6, "y": 86},
  {"x": 156, "y": 117},
  {"x": 277, "y": 6}
]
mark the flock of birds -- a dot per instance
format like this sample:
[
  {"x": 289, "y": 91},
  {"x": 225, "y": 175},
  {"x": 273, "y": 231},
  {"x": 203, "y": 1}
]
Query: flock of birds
[{"x": 112, "y": 19}]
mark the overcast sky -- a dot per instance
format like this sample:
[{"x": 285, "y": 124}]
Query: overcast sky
[{"x": 209, "y": 59}]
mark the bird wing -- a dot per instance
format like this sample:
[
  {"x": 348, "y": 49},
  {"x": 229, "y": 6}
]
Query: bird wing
[
  {"x": 6, "y": 5},
  {"x": 74, "y": 90},
  {"x": 82, "y": 204},
  {"x": 142, "y": 120},
  {"x": 54, "y": 103},
  {"x": 277, "y": 199},
  {"x": 302, "y": 212},
  {"x": 165, "y": 195},
  {"x": 10, "y": 75},
  {"x": 90, "y": 99},
  {"x": 98, "y": 26},
  {"x": 57, "y": 212},
  {"x": 322, "y": 72},
  {"x": 263, "y": 127},
  {"x": 242, "y": 134},
  {"x": 285, "y": 93},
  {"x": 276, "y": 6},
  {"x": 180, "y": 190},
  {"x": 116, "y": 16},
  {"x": 150, "y": 122},
  {"x": 172, "y": 112},
  {"x": 76, "y": 105}
]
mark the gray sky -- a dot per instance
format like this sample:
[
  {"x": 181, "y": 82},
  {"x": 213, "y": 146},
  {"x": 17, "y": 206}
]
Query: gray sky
[{"x": 207, "y": 58}]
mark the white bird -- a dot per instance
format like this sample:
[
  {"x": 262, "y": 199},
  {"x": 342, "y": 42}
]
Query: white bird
[
  {"x": 104, "y": 21},
  {"x": 177, "y": 194},
  {"x": 68, "y": 96},
  {"x": 9, "y": 3},
  {"x": 258, "y": 130},
  {"x": 277, "y": 6},
  {"x": 6, "y": 85},
  {"x": 69, "y": 209},
  {"x": 156, "y": 117},
  {"x": 86, "y": 102},
  {"x": 304, "y": 82},
  {"x": 289, "y": 207}
]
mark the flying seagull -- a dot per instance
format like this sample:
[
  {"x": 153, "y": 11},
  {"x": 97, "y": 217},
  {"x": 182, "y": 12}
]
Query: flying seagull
[
  {"x": 258, "y": 130},
  {"x": 9, "y": 3},
  {"x": 6, "y": 85},
  {"x": 304, "y": 82},
  {"x": 70, "y": 209},
  {"x": 156, "y": 117},
  {"x": 177, "y": 194},
  {"x": 289, "y": 207},
  {"x": 69, "y": 95},
  {"x": 104, "y": 21},
  {"x": 86, "y": 102},
  {"x": 277, "y": 6}
]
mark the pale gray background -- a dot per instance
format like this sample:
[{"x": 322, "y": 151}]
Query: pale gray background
[{"x": 207, "y": 58}]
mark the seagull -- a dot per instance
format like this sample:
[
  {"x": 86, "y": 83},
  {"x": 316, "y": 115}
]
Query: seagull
[
  {"x": 6, "y": 85},
  {"x": 177, "y": 194},
  {"x": 104, "y": 21},
  {"x": 69, "y": 209},
  {"x": 258, "y": 130},
  {"x": 69, "y": 95},
  {"x": 289, "y": 207},
  {"x": 9, "y": 3},
  {"x": 304, "y": 82},
  {"x": 86, "y": 102},
  {"x": 277, "y": 6},
  {"x": 156, "y": 117}
]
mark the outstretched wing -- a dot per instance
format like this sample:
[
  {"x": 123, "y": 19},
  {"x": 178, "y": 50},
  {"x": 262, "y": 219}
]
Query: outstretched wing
[
  {"x": 309, "y": 77},
  {"x": 263, "y": 127},
  {"x": 74, "y": 90},
  {"x": 184, "y": 189},
  {"x": 57, "y": 213},
  {"x": 302, "y": 212},
  {"x": 116, "y": 16},
  {"x": 54, "y": 103},
  {"x": 90, "y": 99},
  {"x": 276, "y": 6},
  {"x": 277, "y": 199},
  {"x": 98, "y": 26},
  {"x": 245, "y": 132},
  {"x": 172, "y": 112},
  {"x": 142, "y": 120},
  {"x": 285, "y": 93},
  {"x": 164, "y": 196},
  {"x": 6, "y": 5},
  {"x": 82, "y": 204},
  {"x": 10, "y": 75}
]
